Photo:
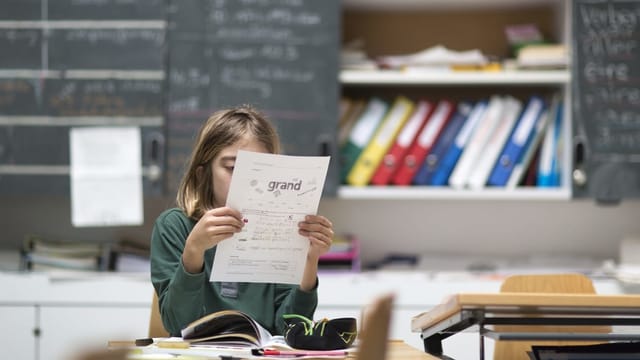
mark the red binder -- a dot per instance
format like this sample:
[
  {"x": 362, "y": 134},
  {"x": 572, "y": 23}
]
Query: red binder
[
  {"x": 392, "y": 159},
  {"x": 423, "y": 142}
]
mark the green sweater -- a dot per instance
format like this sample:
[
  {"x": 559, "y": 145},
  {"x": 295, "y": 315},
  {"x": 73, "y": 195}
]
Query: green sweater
[{"x": 185, "y": 297}]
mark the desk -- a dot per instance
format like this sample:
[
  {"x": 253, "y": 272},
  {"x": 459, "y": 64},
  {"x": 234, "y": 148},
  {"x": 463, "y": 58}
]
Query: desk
[
  {"x": 462, "y": 311},
  {"x": 397, "y": 350}
]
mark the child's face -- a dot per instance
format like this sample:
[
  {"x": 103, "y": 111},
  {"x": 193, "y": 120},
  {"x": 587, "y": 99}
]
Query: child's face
[{"x": 222, "y": 166}]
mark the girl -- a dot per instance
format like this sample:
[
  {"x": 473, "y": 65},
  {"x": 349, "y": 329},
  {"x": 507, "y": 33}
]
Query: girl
[{"x": 184, "y": 239}]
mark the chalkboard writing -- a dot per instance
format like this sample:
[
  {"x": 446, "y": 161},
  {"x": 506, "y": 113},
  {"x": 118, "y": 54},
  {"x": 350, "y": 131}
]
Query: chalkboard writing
[
  {"x": 278, "y": 55},
  {"x": 81, "y": 97},
  {"x": 129, "y": 49},
  {"x": 24, "y": 47},
  {"x": 606, "y": 111}
]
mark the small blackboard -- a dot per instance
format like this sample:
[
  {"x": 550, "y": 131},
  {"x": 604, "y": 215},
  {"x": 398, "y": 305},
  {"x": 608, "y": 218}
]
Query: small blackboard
[
  {"x": 606, "y": 99},
  {"x": 280, "y": 56}
]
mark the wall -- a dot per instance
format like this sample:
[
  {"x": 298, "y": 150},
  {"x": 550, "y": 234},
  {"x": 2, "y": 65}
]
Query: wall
[{"x": 480, "y": 227}]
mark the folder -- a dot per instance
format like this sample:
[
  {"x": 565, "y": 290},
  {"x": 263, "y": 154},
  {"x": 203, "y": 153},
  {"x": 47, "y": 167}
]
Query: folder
[
  {"x": 407, "y": 136},
  {"x": 475, "y": 146},
  {"x": 368, "y": 161},
  {"x": 433, "y": 159},
  {"x": 480, "y": 174},
  {"x": 442, "y": 173},
  {"x": 515, "y": 145},
  {"x": 521, "y": 167},
  {"x": 438, "y": 119},
  {"x": 362, "y": 131},
  {"x": 352, "y": 111},
  {"x": 550, "y": 157}
]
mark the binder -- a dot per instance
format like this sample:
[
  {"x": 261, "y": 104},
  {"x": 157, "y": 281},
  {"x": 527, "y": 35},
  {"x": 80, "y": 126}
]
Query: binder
[
  {"x": 433, "y": 159},
  {"x": 368, "y": 161},
  {"x": 549, "y": 169},
  {"x": 521, "y": 167},
  {"x": 407, "y": 136},
  {"x": 423, "y": 143},
  {"x": 480, "y": 174},
  {"x": 442, "y": 173},
  {"x": 515, "y": 145},
  {"x": 362, "y": 131},
  {"x": 353, "y": 110},
  {"x": 475, "y": 146}
]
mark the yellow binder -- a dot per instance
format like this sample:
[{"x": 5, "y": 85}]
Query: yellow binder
[{"x": 372, "y": 155}]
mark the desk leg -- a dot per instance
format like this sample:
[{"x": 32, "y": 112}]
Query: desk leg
[
  {"x": 481, "y": 345},
  {"x": 433, "y": 345}
]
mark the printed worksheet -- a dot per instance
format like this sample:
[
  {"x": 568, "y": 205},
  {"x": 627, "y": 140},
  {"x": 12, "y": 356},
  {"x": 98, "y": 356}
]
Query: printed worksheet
[{"x": 273, "y": 193}]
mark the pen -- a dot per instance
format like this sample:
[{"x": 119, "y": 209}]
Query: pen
[{"x": 272, "y": 352}]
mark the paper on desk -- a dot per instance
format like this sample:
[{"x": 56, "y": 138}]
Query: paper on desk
[
  {"x": 273, "y": 193},
  {"x": 106, "y": 176}
]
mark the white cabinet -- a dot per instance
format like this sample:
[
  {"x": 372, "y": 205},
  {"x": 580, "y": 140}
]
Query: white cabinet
[
  {"x": 52, "y": 317},
  {"x": 17, "y": 327},
  {"x": 69, "y": 330}
]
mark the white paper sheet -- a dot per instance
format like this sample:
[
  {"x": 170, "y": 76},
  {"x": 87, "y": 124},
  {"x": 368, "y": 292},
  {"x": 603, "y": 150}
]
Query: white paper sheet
[
  {"x": 273, "y": 193},
  {"x": 106, "y": 176}
]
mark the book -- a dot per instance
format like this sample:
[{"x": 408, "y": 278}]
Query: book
[
  {"x": 371, "y": 156},
  {"x": 475, "y": 146},
  {"x": 515, "y": 145},
  {"x": 478, "y": 177},
  {"x": 423, "y": 143},
  {"x": 361, "y": 133},
  {"x": 230, "y": 328},
  {"x": 407, "y": 136},
  {"x": 50, "y": 255},
  {"x": 451, "y": 156},
  {"x": 433, "y": 159}
]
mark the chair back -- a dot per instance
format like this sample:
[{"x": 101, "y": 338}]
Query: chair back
[
  {"x": 156, "y": 328},
  {"x": 543, "y": 283},
  {"x": 374, "y": 332}
]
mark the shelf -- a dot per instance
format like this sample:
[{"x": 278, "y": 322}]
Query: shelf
[
  {"x": 466, "y": 78},
  {"x": 440, "y": 4},
  {"x": 423, "y": 192}
]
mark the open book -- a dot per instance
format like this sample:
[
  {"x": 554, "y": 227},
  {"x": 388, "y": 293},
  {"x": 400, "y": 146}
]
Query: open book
[{"x": 231, "y": 328}]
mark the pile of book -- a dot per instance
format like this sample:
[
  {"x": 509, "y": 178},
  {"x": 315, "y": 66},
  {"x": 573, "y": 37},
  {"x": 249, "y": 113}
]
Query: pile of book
[
  {"x": 344, "y": 255},
  {"x": 500, "y": 141},
  {"x": 38, "y": 254}
]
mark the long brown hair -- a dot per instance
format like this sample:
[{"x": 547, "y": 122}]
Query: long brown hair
[{"x": 222, "y": 129}]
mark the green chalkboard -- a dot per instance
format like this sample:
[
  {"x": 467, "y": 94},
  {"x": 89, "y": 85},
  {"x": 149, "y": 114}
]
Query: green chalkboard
[
  {"x": 606, "y": 99},
  {"x": 279, "y": 55}
]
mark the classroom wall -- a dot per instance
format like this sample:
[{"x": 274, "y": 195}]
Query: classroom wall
[{"x": 505, "y": 228}]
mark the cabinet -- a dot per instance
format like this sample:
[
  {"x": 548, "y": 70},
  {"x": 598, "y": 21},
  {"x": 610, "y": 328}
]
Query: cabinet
[
  {"x": 55, "y": 317},
  {"x": 410, "y": 26}
]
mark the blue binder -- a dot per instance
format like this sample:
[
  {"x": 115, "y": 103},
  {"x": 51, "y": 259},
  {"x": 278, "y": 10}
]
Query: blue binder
[
  {"x": 443, "y": 171},
  {"x": 515, "y": 146},
  {"x": 444, "y": 141}
]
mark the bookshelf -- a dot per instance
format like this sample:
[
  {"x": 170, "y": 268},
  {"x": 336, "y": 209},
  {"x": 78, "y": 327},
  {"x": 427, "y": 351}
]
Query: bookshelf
[{"x": 409, "y": 26}]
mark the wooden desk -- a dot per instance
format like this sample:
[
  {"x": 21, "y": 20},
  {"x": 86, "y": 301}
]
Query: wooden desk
[
  {"x": 464, "y": 310},
  {"x": 396, "y": 350}
]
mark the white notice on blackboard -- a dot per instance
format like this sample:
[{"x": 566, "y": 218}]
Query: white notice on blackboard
[
  {"x": 273, "y": 193},
  {"x": 106, "y": 176}
]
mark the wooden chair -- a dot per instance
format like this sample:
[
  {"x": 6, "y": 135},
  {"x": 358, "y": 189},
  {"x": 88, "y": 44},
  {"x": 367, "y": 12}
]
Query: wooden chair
[
  {"x": 156, "y": 328},
  {"x": 374, "y": 332},
  {"x": 544, "y": 283}
]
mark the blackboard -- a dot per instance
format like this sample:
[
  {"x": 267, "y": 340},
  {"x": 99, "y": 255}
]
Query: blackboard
[
  {"x": 280, "y": 56},
  {"x": 67, "y": 63},
  {"x": 606, "y": 99}
]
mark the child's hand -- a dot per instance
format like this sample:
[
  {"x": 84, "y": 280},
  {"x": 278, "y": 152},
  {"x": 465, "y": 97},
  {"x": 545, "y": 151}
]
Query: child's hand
[
  {"x": 214, "y": 226},
  {"x": 319, "y": 231}
]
